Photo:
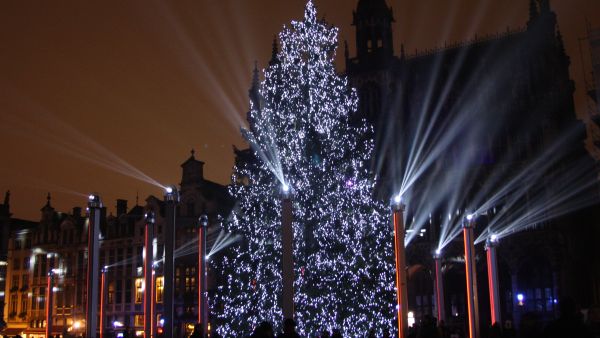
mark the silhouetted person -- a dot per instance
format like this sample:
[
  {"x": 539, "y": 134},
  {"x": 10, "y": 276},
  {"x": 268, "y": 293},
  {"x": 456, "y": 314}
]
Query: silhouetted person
[
  {"x": 531, "y": 326},
  {"x": 336, "y": 333},
  {"x": 289, "y": 329},
  {"x": 509, "y": 330},
  {"x": 263, "y": 330},
  {"x": 324, "y": 334},
  {"x": 428, "y": 328},
  {"x": 569, "y": 324},
  {"x": 593, "y": 321},
  {"x": 495, "y": 331},
  {"x": 198, "y": 331},
  {"x": 371, "y": 334}
]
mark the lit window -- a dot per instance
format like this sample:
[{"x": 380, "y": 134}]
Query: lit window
[
  {"x": 159, "y": 289},
  {"x": 139, "y": 291}
]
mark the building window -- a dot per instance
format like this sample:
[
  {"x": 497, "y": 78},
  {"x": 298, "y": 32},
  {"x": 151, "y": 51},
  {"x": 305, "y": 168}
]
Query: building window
[
  {"x": 23, "y": 303},
  {"x": 111, "y": 292},
  {"x": 159, "y": 289},
  {"x": 119, "y": 292},
  {"x": 13, "y": 305},
  {"x": 139, "y": 320},
  {"x": 190, "y": 279},
  {"x": 42, "y": 298},
  {"x": 14, "y": 284},
  {"x": 139, "y": 290},
  {"x": 128, "y": 286},
  {"x": 26, "y": 261},
  {"x": 17, "y": 264},
  {"x": 25, "y": 281}
]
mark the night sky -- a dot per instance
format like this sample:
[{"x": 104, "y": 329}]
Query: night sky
[{"x": 86, "y": 86}]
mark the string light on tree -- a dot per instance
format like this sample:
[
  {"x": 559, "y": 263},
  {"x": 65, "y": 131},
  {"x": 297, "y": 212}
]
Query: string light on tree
[{"x": 343, "y": 241}]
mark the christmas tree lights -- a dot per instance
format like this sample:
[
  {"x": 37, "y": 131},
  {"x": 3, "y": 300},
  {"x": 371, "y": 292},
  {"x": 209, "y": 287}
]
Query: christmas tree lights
[{"x": 343, "y": 241}]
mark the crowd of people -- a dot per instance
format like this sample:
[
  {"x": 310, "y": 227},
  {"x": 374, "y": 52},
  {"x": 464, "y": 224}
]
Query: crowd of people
[{"x": 570, "y": 324}]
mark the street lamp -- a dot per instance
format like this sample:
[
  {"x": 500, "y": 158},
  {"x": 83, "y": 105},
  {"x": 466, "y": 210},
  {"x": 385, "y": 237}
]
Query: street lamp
[
  {"x": 439, "y": 286},
  {"x": 287, "y": 259},
  {"x": 49, "y": 301},
  {"x": 202, "y": 285},
  {"x": 492, "y": 264},
  {"x": 471, "y": 276},
  {"x": 171, "y": 200},
  {"x": 401, "y": 288},
  {"x": 148, "y": 275},
  {"x": 102, "y": 298},
  {"x": 95, "y": 210}
]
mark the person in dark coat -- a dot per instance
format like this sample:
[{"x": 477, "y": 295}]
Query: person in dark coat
[
  {"x": 289, "y": 329},
  {"x": 569, "y": 324}
]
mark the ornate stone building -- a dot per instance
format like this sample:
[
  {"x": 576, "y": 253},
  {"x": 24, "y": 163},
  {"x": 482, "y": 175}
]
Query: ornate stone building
[
  {"x": 59, "y": 242},
  {"x": 516, "y": 84}
]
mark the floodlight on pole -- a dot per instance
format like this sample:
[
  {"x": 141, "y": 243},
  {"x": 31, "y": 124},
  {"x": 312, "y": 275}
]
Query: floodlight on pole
[
  {"x": 148, "y": 275},
  {"x": 49, "y": 302},
  {"x": 471, "y": 276},
  {"x": 202, "y": 265},
  {"x": 492, "y": 264},
  {"x": 102, "y": 298},
  {"x": 439, "y": 286},
  {"x": 170, "y": 233},
  {"x": 401, "y": 287},
  {"x": 95, "y": 211},
  {"x": 287, "y": 259}
]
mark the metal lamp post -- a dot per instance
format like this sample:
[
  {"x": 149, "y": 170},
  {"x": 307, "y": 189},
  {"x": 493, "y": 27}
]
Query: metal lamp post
[
  {"x": 171, "y": 200},
  {"x": 287, "y": 259},
  {"x": 95, "y": 211},
  {"x": 439, "y": 286},
  {"x": 492, "y": 264},
  {"x": 102, "y": 299},
  {"x": 49, "y": 302},
  {"x": 149, "y": 275},
  {"x": 401, "y": 289},
  {"x": 202, "y": 285},
  {"x": 471, "y": 276}
]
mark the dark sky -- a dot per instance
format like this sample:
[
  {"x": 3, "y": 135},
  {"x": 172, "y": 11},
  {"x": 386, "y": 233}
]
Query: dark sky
[{"x": 90, "y": 90}]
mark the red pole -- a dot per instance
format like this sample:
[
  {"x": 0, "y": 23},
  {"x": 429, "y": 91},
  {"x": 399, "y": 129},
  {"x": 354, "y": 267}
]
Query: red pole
[
  {"x": 49, "y": 302},
  {"x": 471, "y": 277},
  {"x": 102, "y": 295},
  {"x": 401, "y": 294}
]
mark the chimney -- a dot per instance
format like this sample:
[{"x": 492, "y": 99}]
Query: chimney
[{"x": 121, "y": 207}]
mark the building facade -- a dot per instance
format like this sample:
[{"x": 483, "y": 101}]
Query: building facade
[
  {"x": 518, "y": 79},
  {"x": 58, "y": 242}
]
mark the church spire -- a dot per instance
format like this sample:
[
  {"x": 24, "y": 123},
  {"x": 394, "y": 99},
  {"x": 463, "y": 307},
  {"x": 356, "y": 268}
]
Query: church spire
[
  {"x": 274, "y": 52},
  {"x": 533, "y": 12},
  {"x": 544, "y": 6}
]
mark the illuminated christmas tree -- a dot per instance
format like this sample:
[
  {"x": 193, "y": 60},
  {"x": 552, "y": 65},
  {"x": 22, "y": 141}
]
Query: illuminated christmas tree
[{"x": 301, "y": 136}]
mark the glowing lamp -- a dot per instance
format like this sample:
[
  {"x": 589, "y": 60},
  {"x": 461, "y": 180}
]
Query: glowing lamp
[
  {"x": 149, "y": 217},
  {"x": 438, "y": 253},
  {"x": 94, "y": 201},
  {"x": 286, "y": 188},
  {"x": 398, "y": 199},
  {"x": 520, "y": 297},
  {"x": 171, "y": 194},
  {"x": 470, "y": 217},
  {"x": 203, "y": 220},
  {"x": 494, "y": 238}
]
